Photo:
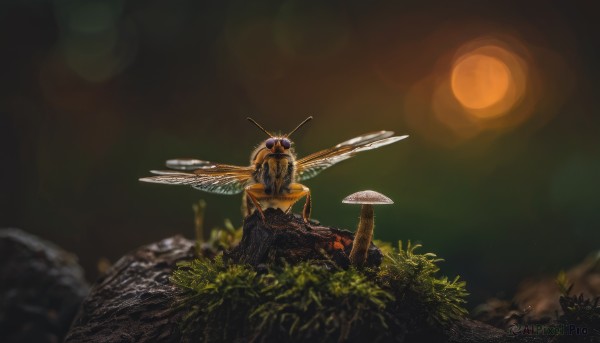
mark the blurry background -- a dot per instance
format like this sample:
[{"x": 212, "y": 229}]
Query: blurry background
[{"x": 499, "y": 175}]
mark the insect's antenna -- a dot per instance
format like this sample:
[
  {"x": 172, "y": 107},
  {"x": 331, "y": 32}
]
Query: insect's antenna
[
  {"x": 299, "y": 126},
  {"x": 260, "y": 127}
]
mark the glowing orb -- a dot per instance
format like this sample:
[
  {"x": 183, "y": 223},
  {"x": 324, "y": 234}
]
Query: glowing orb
[{"x": 479, "y": 81}]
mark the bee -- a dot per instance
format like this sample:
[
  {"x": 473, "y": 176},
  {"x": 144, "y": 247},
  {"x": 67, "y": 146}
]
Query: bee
[{"x": 272, "y": 179}]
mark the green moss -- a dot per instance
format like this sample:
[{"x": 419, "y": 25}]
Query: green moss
[
  {"x": 219, "y": 298},
  {"x": 411, "y": 277},
  {"x": 318, "y": 302}
]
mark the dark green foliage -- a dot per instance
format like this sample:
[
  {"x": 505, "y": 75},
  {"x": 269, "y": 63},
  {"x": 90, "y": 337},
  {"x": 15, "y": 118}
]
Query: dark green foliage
[
  {"x": 577, "y": 310},
  {"x": 317, "y": 302}
]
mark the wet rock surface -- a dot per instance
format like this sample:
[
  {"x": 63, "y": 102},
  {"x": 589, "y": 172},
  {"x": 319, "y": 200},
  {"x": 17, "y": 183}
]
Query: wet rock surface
[
  {"x": 135, "y": 301},
  {"x": 41, "y": 288}
]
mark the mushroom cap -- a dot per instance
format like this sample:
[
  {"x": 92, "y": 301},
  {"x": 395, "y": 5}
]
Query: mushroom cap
[{"x": 367, "y": 197}]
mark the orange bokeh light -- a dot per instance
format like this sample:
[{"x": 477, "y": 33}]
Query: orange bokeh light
[
  {"x": 480, "y": 81},
  {"x": 487, "y": 80},
  {"x": 487, "y": 84}
]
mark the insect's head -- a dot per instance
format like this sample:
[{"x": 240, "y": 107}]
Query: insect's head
[
  {"x": 278, "y": 144},
  {"x": 275, "y": 144}
]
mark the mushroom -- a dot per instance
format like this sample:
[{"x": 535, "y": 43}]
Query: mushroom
[{"x": 364, "y": 233}]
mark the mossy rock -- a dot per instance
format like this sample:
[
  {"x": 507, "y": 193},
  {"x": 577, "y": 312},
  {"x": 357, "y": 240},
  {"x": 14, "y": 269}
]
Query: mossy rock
[
  {"x": 224, "y": 299},
  {"x": 290, "y": 281}
]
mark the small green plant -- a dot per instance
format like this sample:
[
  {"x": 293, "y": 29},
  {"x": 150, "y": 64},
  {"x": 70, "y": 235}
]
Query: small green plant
[
  {"x": 318, "y": 302},
  {"x": 577, "y": 310},
  {"x": 199, "y": 209},
  {"x": 224, "y": 238},
  {"x": 220, "y": 239}
]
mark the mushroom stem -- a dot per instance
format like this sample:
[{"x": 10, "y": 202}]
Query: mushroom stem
[{"x": 363, "y": 237}]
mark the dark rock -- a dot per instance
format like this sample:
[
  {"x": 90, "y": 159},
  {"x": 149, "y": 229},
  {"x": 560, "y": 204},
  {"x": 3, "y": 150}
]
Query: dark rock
[
  {"x": 41, "y": 288},
  {"x": 499, "y": 313},
  {"x": 135, "y": 301},
  {"x": 286, "y": 236},
  {"x": 537, "y": 299},
  {"x": 539, "y": 296},
  {"x": 469, "y": 331}
]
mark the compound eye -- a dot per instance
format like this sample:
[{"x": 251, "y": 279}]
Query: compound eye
[
  {"x": 286, "y": 143},
  {"x": 270, "y": 143}
]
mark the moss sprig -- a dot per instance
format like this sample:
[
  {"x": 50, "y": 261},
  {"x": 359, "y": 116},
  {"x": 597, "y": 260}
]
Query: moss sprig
[{"x": 413, "y": 279}]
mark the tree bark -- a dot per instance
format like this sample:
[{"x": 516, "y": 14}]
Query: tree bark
[
  {"x": 287, "y": 237},
  {"x": 135, "y": 301}
]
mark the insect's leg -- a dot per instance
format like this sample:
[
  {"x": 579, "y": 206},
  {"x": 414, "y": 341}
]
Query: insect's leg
[
  {"x": 307, "y": 208},
  {"x": 249, "y": 191},
  {"x": 297, "y": 191},
  {"x": 246, "y": 205},
  {"x": 257, "y": 205}
]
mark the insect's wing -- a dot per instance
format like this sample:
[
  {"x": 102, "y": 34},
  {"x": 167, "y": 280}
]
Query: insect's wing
[
  {"x": 366, "y": 138},
  {"x": 313, "y": 164},
  {"x": 188, "y": 164},
  {"x": 213, "y": 178}
]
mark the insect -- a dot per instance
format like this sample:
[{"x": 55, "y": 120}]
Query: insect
[{"x": 272, "y": 179}]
